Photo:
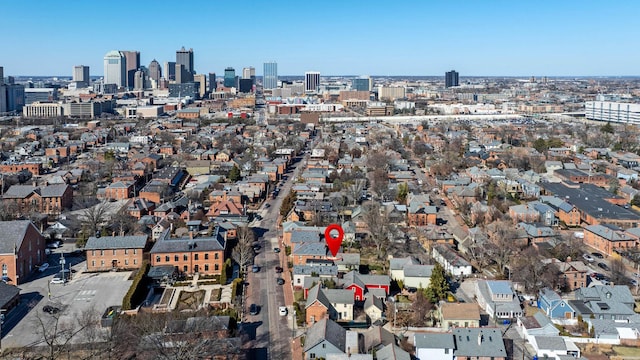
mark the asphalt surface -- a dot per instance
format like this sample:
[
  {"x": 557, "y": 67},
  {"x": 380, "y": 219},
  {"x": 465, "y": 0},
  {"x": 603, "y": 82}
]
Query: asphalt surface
[
  {"x": 86, "y": 294},
  {"x": 270, "y": 334}
]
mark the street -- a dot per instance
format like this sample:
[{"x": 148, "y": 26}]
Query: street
[{"x": 271, "y": 334}]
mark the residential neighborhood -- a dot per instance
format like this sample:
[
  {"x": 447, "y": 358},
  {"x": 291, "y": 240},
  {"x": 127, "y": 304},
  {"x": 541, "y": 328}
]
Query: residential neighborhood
[{"x": 204, "y": 230}]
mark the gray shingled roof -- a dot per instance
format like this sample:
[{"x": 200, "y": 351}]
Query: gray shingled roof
[
  {"x": 53, "y": 190},
  {"x": 489, "y": 345},
  {"x": 19, "y": 191},
  {"x": 13, "y": 232},
  {"x": 328, "y": 330},
  {"x": 7, "y": 293},
  {"x": 392, "y": 352},
  {"x": 116, "y": 242},
  {"x": 434, "y": 341},
  {"x": 171, "y": 245}
]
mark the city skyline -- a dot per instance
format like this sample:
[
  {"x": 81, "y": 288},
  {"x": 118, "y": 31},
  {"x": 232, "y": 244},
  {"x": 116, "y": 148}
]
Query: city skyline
[{"x": 489, "y": 38}]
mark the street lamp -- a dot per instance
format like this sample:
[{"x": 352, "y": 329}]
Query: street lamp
[{"x": 62, "y": 262}]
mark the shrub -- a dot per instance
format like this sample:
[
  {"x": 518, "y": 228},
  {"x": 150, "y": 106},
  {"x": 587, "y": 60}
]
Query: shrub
[{"x": 138, "y": 289}]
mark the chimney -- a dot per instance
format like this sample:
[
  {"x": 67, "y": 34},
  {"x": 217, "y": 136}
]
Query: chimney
[
  {"x": 568, "y": 259},
  {"x": 191, "y": 235}
]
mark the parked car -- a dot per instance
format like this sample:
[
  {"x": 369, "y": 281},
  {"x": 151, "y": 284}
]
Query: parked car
[
  {"x": 254, "y": 309},
  {"x": 50, "y": 309},
  {"x": 598, "y": 255},
  {"x": 588, "y": 257},
  {"x": 255, "y": 268},
  {"x": 54, "y": 245},
  {"x": 276, "y": 250},
  {"x": 43, "y": 267},
  {"x": 279, "y": 269},
  {"x": 280, "y": 281},
  {"x": 58, "y": 280},
  {"x": 283, "y": 310},
  {"x": 603, "y": 266}
]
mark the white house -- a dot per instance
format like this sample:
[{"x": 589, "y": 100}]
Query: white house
[
  {"x": 434, "y": 346},
  {"x": 452, "y": 263}
]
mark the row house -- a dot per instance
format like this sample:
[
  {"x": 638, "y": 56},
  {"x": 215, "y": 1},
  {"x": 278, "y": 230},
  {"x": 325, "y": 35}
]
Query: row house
[
  {"x": 108, "y": 253},
  {"x": 199, "y": 255},
  {"x": 50, "y": 199},
  {"x": 335, "y": 304},
  {"x": 608, "y": 238}
]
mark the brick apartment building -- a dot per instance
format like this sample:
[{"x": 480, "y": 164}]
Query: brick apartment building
[
  {"x": 21, "y": 250},
  {"x": 203, "y": 255},
  {"x": 115, "y": 252},
  {"x": 50, "y": 199}
]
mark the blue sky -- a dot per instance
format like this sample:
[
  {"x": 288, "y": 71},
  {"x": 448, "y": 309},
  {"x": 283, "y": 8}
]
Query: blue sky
[{"x": 492, "y": 38}]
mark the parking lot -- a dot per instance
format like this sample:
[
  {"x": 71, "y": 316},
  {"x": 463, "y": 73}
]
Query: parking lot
[{"x": 85, "y": 295}]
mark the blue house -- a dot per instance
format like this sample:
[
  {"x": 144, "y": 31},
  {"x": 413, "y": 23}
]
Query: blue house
[{"x": 554, "y": 306}]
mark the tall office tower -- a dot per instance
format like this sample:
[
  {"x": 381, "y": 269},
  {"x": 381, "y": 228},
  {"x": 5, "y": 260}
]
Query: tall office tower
[
  {"x": 363, "y": 83},
  {"x": 213, "y": 86},
  {"x": 249, "y": 73},
  {"x": 229, "y": 77},
  {"x": 170, "y": 69},
  {"x": 185, "y": 58},
  {"x": 270, "y": 75},
  {"x": 311, "y": 81},
  {"x": 1, "y": 75},
  {"x": 115, "y": 70},
  {"x": 132, "y": 61},
  {"x": 81, "y": 75},
  {"x": 155, "y": 71},
  {"x": 139, "y": 80},
  {"x": 451, "y": 79},
  {"x": 182, "y": 76},
  {"x": 201, "y": 80}
]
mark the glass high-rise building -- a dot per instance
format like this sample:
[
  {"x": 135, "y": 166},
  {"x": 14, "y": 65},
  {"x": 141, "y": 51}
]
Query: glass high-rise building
[
  {"x": 229, "y": 77},
  {"x": 115, "y": 70},
  {"x": 270, "y": 75},
  {"x": 213, "y": 86},
  {"x": 311, "y": 81},
  {"x": 170, "y": 70},
  {"x": 451, "y": 79},
  {"x": 361, "y": 84}
]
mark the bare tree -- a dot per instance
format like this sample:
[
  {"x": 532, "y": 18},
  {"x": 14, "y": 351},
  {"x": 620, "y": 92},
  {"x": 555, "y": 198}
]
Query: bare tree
[
  {"x": 92, "y": 218},
  {"x": 243, "y": 250},
  {"x": 379, "y": 182},
  {"x": 354, "y": 191},
  {"x": 421, "y": 307},
  {"x": 378, "y": 224}
]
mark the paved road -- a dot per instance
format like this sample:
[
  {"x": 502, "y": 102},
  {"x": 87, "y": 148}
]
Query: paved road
[{"x": 271, "y": 333}]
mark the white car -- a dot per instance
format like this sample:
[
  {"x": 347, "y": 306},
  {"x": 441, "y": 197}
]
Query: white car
[
  {"x": 283, "y": 310},
  {"x": 588, "y": 257},
  {"x": 43, "y": 267},
  {"x": 58, "y": 280}
]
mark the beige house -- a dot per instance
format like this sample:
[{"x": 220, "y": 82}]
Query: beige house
[{"x": 453, "y": 315}]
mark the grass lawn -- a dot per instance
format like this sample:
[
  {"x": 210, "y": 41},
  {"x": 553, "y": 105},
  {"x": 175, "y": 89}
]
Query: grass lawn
[{"x": 627, "y": 351}]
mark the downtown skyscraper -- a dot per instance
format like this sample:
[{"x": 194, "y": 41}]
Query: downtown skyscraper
[
  {"x": 132, "y": 64},
  {"x": 184, "y": 65},
  {"x": 451, "y": 79},
  {"x": 270, "y": 75},
  {"x": 115, "y": 70},
  {"x": 311, "y": 81}
]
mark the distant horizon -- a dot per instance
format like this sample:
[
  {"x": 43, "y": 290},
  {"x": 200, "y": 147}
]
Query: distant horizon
[{"x": 538, "y": 77}]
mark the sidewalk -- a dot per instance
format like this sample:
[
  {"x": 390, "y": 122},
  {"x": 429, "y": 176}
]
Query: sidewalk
[{"x": 296, "y": 347}]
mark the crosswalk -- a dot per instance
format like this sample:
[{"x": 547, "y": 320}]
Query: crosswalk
[{"x": 85, "y": 295}]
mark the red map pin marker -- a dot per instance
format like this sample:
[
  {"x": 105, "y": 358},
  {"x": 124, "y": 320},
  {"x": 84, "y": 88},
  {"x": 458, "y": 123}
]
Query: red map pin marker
[{"x": 334, "y": 243}]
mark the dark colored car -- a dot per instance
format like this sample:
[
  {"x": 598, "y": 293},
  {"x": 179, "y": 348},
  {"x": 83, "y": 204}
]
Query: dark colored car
[
  {"x": 603, "y": 266},
  {"x": 276, "y": 250},
  {"x": 598, "y": 255},
  {"x": 280, "y": 281},
  {"x": 254, "y": 309},
  {"x": 50, "y": 309},
  {"x": 279, "y": 269}
]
